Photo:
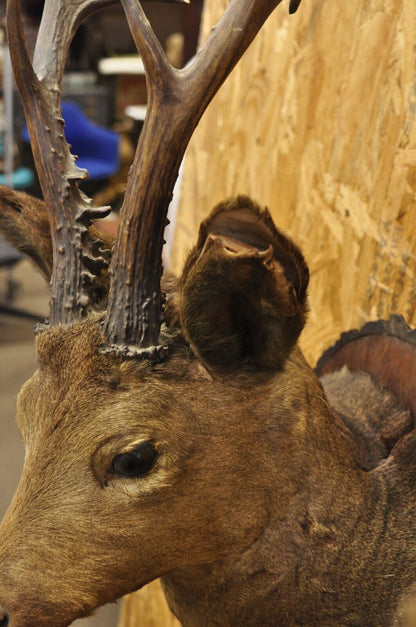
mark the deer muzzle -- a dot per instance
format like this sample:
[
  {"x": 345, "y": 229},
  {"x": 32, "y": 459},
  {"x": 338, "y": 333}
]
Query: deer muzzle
[
  {"x": 17, "y": 610},
  {"x": 37, "y": 587}
]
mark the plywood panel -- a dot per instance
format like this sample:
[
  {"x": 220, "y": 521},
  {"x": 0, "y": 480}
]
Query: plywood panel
[
  {"x": 318, "y": 123},
  {"x": 147, "y": 608}
]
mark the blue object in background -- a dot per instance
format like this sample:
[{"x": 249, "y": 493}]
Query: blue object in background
[{"x": 97, "y": 148}]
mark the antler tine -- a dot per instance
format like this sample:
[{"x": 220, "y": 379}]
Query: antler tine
[
  {"x": 70, "y": 212},
  {"x": 176, "y": 101},
  {"x": 60, "y": 21}
]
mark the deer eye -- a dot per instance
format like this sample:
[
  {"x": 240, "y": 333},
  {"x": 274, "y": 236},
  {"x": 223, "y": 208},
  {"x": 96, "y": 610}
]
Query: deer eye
[{"x": 134, "y": 463}]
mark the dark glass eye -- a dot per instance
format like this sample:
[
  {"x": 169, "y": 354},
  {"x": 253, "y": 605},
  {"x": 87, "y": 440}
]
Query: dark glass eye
[{"x": 135, "y": 463}]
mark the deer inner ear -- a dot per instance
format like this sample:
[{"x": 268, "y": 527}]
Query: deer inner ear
[{"x": 242, "y": 226}]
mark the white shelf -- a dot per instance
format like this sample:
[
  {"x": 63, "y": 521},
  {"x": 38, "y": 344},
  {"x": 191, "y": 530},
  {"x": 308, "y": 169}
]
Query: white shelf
[{"x": 131, "y": 64}]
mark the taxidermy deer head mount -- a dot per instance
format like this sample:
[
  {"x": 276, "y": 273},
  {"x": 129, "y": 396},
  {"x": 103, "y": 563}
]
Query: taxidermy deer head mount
[{"x": 179, "y": 432}]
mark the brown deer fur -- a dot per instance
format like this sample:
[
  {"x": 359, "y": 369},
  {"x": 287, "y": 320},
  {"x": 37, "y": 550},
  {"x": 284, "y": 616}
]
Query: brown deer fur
[{"x": 263, "y": 507}]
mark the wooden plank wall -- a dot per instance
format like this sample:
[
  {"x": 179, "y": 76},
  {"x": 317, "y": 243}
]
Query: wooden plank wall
[{"x": 318, "y": 123}]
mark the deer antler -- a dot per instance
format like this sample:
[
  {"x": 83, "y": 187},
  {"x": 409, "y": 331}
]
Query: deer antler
[
  {"x": 176, "y": 101},
  {"x": 77, "y": 258}
]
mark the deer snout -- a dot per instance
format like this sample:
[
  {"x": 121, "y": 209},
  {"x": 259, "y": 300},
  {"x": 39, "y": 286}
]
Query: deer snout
[
  {"x": 30, "y": 618},
  {"x": 20, "y": 606}
]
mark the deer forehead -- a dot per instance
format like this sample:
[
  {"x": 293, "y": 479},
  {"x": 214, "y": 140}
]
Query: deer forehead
[
  {"x": 78, "y": 386},
  {"x": 79, "y": 390}
]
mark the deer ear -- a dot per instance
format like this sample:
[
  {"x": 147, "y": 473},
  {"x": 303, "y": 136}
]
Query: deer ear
[
  {"x": 24, "y": 223},
  {"x": 243, "y": 290}
]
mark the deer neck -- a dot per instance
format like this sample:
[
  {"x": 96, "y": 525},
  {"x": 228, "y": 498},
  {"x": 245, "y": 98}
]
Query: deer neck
[
  {"x": 319, "y": 541},
  {"x": 306, "y": 572}
]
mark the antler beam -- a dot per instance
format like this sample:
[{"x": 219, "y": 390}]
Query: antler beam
[
  {"x": 77, "y": 258},
  {"x": 176, "y": 101}
]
